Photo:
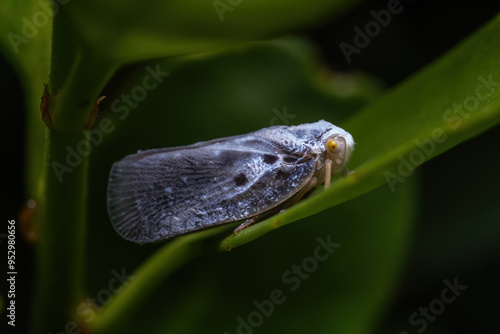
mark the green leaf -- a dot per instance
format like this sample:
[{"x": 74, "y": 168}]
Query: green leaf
[{"x": 172, "y": 28}]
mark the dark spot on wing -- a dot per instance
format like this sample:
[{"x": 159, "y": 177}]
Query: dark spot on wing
[
  {"x": 240, "y": 180},
  {"x": 270, "y": 159},
  {"x": 290, "y": 158},
  {"x": 281, "y": 175}
]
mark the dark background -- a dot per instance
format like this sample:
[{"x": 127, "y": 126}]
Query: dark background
[{"x": 422, "y": 32}]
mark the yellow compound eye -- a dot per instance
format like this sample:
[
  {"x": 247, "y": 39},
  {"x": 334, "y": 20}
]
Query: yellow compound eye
[{"x": 332, "y": 145}]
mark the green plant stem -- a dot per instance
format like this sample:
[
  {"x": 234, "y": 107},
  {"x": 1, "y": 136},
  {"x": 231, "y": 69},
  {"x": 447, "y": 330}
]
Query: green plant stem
[
  {"x": 76, "y": 80},
  {"x": 61, "y": 231},
  {"x": 60, "y": 239}
]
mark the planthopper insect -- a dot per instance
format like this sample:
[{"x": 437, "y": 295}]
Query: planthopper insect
[{"x": 161, "y": 193}]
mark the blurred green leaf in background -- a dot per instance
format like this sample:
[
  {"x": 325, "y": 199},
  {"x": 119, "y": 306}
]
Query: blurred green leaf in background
[{"x": 407, "y": 243}]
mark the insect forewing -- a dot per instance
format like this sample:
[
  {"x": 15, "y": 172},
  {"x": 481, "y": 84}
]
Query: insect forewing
[{"x": 159, "y": 194}]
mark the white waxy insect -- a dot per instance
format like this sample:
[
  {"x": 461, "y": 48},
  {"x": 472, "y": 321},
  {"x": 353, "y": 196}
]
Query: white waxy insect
[{"x": 161, "y": 193}]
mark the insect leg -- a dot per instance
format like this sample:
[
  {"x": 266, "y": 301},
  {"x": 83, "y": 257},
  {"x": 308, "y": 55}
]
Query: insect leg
[
  {"x": 328, "y": 173},
  {"x": 245, "y": 224}
]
